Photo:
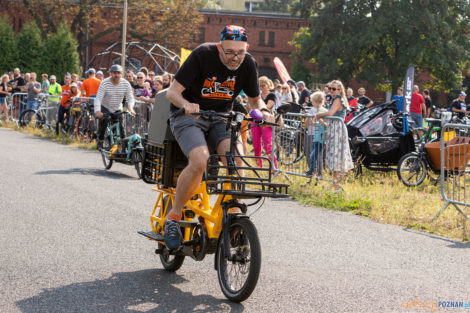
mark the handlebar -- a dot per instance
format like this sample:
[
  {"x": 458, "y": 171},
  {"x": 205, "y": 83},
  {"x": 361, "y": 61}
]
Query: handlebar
[{"x": 230, "y": 116}]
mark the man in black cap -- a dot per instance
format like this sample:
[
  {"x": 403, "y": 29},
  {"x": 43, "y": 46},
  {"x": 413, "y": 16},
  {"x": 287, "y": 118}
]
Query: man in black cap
[
  {"x": 210, "y": 79},
  {"x": 459, "y": 107}
]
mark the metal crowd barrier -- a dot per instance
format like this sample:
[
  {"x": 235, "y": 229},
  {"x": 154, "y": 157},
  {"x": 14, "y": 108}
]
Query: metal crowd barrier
[
  {"x": 16, "y": 105},
  {"x": 306, "y": 151},
  {"x": 454, "y": 161},
  {"x": 51, "y": 105},
  {"x": 138, "y": 124}
]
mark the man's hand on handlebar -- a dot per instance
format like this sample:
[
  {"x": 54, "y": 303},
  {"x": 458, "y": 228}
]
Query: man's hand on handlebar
[
  {"x": 190, "y": 108},
  {"x": 99, "y": 114}
]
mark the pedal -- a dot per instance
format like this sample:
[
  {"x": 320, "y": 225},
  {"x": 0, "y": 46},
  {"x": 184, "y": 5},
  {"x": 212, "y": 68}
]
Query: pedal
[
  {"x": 188, "y": 223},
  {"x": 151, "y": 235}
]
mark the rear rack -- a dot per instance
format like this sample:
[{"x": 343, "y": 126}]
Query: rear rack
[{"x": 255, "y": 183}]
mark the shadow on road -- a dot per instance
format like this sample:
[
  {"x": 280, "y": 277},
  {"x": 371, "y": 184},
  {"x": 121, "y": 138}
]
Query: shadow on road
[
  {"x": 453, "y": 243},
  {"x": 142, "y": 291},
  {"x": 87, "y": 171}
]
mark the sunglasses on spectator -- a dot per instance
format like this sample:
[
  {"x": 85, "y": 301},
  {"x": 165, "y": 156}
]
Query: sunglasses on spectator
[
  {"x": 140, "y": 77},
  {"x": 333, "y": 88},
  {"x": 284, "y": 87},
  {"x": 151, "y": 74}
]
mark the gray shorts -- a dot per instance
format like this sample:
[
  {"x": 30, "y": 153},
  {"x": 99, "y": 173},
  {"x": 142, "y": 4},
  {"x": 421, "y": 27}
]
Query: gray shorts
[{"x": 191, "y": 133}]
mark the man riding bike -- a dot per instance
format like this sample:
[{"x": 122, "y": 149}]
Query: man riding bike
[
  {"x": 210, "y": 79},
  {"x": 109, "y": 99}
]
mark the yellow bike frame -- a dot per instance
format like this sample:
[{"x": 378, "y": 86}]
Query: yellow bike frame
[{"x": 199, "y": 204}]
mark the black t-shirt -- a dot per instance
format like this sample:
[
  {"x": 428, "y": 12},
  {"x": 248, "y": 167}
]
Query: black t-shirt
[
  {"x": 303, "y": 95},
  {"x": 16, "y": 83},
  {"x": 269, "y": 96},
  {"x": 211, "y": 84},
  {"x": 428, "y": 103},
  {"x": 459, "y": 105},
  {"x": 363, "y": 100}
]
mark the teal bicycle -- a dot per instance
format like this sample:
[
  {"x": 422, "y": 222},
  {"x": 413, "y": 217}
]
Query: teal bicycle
[{"x": 129, "y": 150}]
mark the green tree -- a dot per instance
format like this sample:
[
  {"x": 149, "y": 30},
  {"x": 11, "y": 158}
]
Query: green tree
[
  {"x": 30, "y": 49},
  {"x": 300, "y": 72},
  {"x": 163, "y": 21},
  {"x": 8, "y": 44},
  {"x": 61, "y": 54},
  {"x": 376, "y": 40}
]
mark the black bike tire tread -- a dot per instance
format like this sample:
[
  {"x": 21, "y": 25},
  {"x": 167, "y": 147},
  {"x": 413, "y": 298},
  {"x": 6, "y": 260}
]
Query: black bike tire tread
[{"x": 255, "y": 262}]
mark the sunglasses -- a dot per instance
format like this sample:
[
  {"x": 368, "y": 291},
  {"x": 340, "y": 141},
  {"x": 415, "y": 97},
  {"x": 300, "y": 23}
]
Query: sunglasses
[
  {"x": 284, "y": 87},
  {"x": 333, "y": 88},
  {"x": 140, "y": 78}
]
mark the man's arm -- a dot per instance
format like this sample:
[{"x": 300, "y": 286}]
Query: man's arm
[
  {"x": 37, "y": 90},
  {"x": 97, "y": 101},
  {"x": 130, "y": 98},
  {"x": 175, "y": 95}
]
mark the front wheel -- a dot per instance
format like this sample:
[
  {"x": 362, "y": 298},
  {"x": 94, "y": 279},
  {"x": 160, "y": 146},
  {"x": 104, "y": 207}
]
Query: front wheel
[
  {"x": 411, "y": 170},
  {"x": 238, "y": 277},
  {"x": 105, "y": 156},
  {"x": 137, "y": 158}
]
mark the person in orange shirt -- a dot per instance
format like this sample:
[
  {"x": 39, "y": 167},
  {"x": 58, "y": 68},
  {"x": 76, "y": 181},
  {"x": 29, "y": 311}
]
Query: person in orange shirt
[
  {"x": 69, "y": 91},
  {"x": 91, "y": 84}
]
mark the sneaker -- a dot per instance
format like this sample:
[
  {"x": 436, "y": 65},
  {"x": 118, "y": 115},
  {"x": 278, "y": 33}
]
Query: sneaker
[{"x": 172, "y": 234}]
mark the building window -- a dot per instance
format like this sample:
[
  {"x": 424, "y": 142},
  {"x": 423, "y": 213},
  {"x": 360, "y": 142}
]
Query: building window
[
  {"x": 201, "y": 34},
  {"x": 261, "y": 38},
  {"x": 271, "y": 39}
]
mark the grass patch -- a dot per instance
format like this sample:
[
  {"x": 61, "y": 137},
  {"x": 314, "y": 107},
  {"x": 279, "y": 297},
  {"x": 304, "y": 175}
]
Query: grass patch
[
  {"x": 50, "y": 134},
  {"x": 382, "y": 197}
]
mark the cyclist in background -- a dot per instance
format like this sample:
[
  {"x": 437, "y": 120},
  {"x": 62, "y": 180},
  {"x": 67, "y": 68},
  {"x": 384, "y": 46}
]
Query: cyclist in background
[
  {"x": 210, "y": 79},
  {"x": 109, "y": 99}
]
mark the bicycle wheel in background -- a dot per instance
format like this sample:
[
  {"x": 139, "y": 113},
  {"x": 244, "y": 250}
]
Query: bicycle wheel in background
[
  {"x": 106, "y": 147},
  {"x": 31, "y": 118},
  {"x": 137, "y": 158},
  {"x": 90, "y": 133},
  {"x": 411, "y": 170},
  {"x": 238, "y": 277}
]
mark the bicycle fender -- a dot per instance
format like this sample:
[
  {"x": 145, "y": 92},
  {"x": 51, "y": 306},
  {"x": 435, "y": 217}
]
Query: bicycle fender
[{"x": 221, "y": 236}]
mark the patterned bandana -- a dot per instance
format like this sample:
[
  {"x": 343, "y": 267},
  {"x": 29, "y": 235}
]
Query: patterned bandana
[{"x": 233, "y": 32}]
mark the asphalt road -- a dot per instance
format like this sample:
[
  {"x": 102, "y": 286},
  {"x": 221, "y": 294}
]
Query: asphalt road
[{"x": 68, "y": 243}]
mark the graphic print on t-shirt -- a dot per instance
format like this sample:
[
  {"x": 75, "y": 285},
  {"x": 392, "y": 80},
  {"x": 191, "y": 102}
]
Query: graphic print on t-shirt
[{"x": 212, "y": 89}]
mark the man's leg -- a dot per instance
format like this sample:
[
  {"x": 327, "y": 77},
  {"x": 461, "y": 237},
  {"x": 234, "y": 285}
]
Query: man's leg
[{"x": 188, "y": 182}]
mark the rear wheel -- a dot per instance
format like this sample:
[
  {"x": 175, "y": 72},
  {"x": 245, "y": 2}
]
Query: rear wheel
[
  {"x": 170, "y": 262},
  {"x": 238, "y": 277},
  {"x": 105, "y": 156},
  {"x": 411, "y": 170}
]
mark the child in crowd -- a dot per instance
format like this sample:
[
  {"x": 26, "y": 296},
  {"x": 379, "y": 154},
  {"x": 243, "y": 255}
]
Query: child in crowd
[
  {"x": 147, "y": 92},
  {"x": 315, "y": 131}
]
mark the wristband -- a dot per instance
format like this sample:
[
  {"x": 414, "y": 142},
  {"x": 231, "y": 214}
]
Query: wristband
[{"x": 265, "y": 110}]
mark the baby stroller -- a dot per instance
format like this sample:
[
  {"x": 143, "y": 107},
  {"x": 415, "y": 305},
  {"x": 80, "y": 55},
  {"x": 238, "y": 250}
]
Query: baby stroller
[{"x": 376, "y": 138}]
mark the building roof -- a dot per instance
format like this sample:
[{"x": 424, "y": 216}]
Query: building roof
[{"x": 273, "y": 15}]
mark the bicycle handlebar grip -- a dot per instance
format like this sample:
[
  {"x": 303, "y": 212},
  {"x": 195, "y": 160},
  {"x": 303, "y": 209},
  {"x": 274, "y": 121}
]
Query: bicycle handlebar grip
[{"x": 256, "y": 115}]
